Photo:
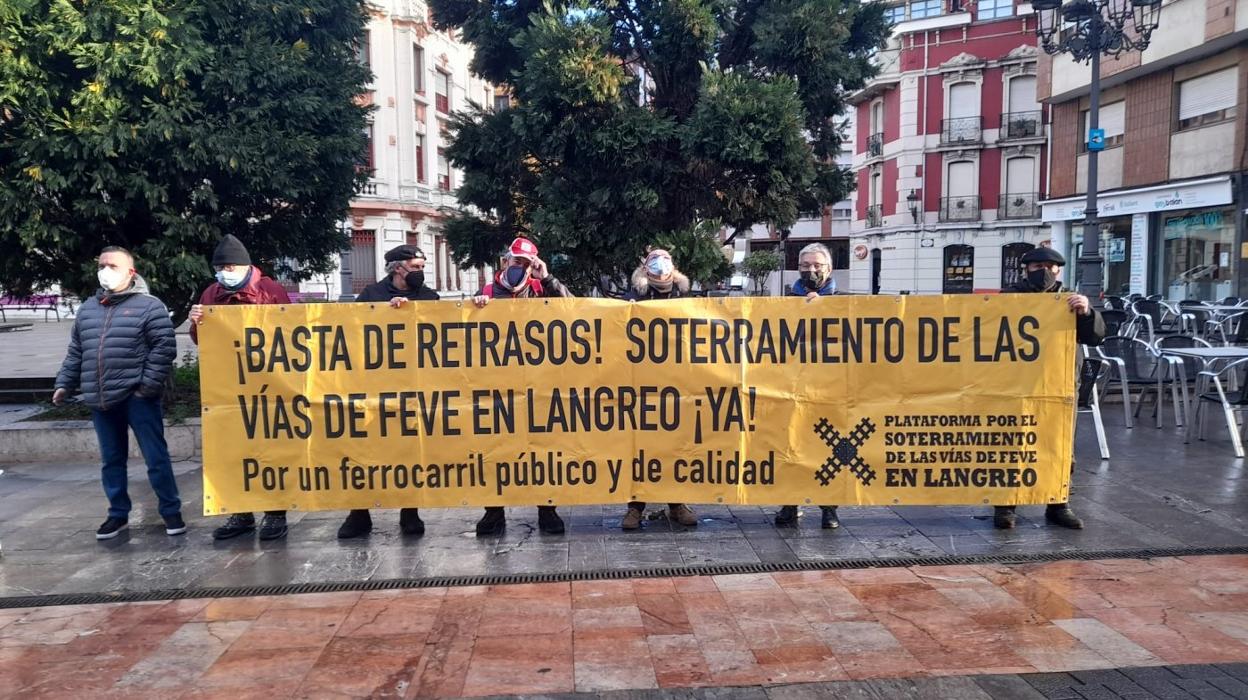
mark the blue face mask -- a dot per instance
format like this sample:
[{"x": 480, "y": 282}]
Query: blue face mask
[
  {"x": 515, "y": 275},
  {"x": 659, "y": 267}
]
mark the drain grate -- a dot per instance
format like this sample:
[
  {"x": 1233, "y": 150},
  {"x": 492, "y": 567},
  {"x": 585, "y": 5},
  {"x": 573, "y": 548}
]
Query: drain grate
[{"x": 604, "y": 575}]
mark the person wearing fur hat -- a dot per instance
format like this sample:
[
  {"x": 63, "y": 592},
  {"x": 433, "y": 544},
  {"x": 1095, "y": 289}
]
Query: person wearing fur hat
[
  {"x": 523, "y": 275},
  {"x": 657, "y": 278},
  {"x": 240, "y": 282}
]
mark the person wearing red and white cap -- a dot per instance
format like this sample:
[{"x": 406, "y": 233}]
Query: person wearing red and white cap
[{"x": 523, "y": 275}]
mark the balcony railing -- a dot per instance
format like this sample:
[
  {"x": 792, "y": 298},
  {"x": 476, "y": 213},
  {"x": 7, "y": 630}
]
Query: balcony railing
[
  {"x": 965, "y": 208},
  {"x": 1022, "y": 205},
  {"x": 964, "y": 130},
  {"x": 875, "y": 216},
  {"x": 875, "y": 145},
  {"x": 1021, "y": 125}
]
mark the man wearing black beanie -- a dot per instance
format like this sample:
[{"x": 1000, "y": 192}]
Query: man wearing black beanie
[{"x": 240, "y": 282}]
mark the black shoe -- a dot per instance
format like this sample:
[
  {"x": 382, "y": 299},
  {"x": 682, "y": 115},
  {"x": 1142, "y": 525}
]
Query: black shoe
[
  {"x": 1062, "y": 516},
  {"x": 1003, "y": 517},
  {"x": 787, "y": 517},
  {"x": 174, "y": 525},
  {"x": 492, "y": 523},
  {"x": 357, "y": 524},
  {"x": 829, "y": 521},
  {"x": 238, "y": 524},
  {"x": 273, "y": 526},
  {"x": 111, "y": 528},
  {"x": 548, "y": 521},
  {"x": 410, "y": 522}
]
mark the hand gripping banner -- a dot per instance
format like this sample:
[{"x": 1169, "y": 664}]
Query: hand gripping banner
[{"x": 834, "y": 401}]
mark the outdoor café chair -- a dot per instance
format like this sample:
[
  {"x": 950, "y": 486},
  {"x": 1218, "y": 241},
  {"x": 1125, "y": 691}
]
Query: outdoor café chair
[
  {"x": 1184, "y": 371},
  {"x": 1114, "y": 321},
  {"x": 1091, "y": 373},
  {"x": 1157, "y": 319},
  {"x": 1232, "y": 401},
  {"x": 1136, "y": 365}
]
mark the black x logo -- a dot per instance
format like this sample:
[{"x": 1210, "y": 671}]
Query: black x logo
[{"x": 844, "y": 452}]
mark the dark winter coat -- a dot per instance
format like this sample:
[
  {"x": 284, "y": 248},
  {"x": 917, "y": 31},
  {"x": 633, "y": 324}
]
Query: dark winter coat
[
  {"x": 642, "y": 290},
  {"x": 122, "y": 343},
  {"x": 384, "y": 290},
  {"x": 257, "y": 290},
  {"x": 1089, "y": 330}
]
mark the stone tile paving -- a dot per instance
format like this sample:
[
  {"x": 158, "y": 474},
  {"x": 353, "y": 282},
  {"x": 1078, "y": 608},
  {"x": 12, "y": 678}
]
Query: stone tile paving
[
  {"x": 1155, "y": 493},
  {"x": 1166, "y": 628}
]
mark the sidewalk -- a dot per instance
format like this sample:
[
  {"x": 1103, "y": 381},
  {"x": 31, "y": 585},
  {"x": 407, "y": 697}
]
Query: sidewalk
[
  {"x": 1157, "y": 493},
  {"x": 38, "y": 352},
  {"x": 749, "y": 636}
]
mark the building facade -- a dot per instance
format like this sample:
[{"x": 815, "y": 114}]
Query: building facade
[
  {"x": 420, "y": 76},
  {"x": 1171, "y": 176},
  {"x": 950, "y": 153}
]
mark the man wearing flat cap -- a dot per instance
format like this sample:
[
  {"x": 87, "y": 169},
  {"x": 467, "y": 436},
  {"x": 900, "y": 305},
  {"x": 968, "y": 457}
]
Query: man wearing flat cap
[
  {"x": 1041, "y": 267},
  {"x": 404, "y": 282}
]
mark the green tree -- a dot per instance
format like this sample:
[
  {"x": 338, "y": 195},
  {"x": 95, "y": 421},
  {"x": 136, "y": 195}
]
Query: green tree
[
  {"x": 759, "y": 265},
  {"x": 644, "y": 120},
  {"x": 161, "y": 125}
]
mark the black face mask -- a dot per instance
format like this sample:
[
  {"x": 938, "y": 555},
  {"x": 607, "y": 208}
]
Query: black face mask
[
  {"x": 813, "y": 279},
  {"x": 1043, "y": 279},
  {"x": 415, "y": 279}
]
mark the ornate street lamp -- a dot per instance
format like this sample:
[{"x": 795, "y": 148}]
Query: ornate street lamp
[{"x": 1088, "y": 30}]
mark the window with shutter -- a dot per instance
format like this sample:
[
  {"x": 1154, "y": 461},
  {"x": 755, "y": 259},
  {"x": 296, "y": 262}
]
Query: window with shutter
[
  {"x": 1208, "y": 99},
  {"x": 1113, "y": 119}
]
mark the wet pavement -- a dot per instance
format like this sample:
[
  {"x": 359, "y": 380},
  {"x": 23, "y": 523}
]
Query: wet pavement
[
  {"x": 1156, "y": 493},
  {"x": 1071, "y": 629}
]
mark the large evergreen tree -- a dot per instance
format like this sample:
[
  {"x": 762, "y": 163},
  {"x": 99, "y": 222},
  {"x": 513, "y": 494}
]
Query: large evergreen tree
[
  {"x": 642, "y": 121},
  {"x": 161, "y": 125}
]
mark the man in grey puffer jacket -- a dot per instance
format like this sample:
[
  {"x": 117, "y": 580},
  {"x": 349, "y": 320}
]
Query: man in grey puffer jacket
[{"x": 120, "y": 353}]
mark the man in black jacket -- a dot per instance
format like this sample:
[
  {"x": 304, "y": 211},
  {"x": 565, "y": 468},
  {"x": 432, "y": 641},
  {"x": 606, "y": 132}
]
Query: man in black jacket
[
  {"x": 120, "y": 353},
  {"x": 404, "y": 282},
  {"x": 1042, "y": 267}
]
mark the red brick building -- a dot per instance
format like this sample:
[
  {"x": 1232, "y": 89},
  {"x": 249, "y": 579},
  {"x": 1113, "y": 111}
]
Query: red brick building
[{"x": 950, "y": 155}]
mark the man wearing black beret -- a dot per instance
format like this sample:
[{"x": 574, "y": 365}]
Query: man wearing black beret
[
  {"x": 404, "y": 282},
  {"x": 1042, "y": 266}
]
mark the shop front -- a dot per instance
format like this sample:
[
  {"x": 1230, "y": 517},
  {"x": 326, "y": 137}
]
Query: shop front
[{"x": 1179, "y": 240}]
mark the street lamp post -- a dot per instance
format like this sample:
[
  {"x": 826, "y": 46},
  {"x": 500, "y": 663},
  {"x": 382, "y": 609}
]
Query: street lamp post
[{"x": 1089, "y": 30}]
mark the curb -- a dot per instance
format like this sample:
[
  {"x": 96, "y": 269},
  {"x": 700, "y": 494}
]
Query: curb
[{"x": 75, "y": 441}]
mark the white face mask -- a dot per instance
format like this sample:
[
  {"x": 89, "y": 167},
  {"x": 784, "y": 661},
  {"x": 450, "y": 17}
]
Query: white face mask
[
  {"x": 232, "y": 278},
  {"x": 110, "y": 279}
]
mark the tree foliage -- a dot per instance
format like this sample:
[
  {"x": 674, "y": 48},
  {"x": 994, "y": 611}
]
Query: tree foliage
[
  {"x": 759, "y": 265},
  {"x": 641, "y": 120},
  {"x": 161, "y": 125}
]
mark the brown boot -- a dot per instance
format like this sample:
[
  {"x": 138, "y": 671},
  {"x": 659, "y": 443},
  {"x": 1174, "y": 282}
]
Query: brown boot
[
  {"x": 632, "y": 520},
  {"x": 683, "y": 514}
]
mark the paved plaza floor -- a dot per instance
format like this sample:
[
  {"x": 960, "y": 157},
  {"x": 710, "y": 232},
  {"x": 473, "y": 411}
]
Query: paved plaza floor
[
  {"x": 1156, "y": 493},
  {"x": 1140, "y": 615},
  {"x": 1056, "y": 630}
]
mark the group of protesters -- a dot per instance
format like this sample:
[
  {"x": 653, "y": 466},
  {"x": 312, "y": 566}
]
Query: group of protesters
[{"x": 122, "y": 350}]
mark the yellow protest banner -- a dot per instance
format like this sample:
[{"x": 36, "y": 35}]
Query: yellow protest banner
[{"x": 836, "y": 400}]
